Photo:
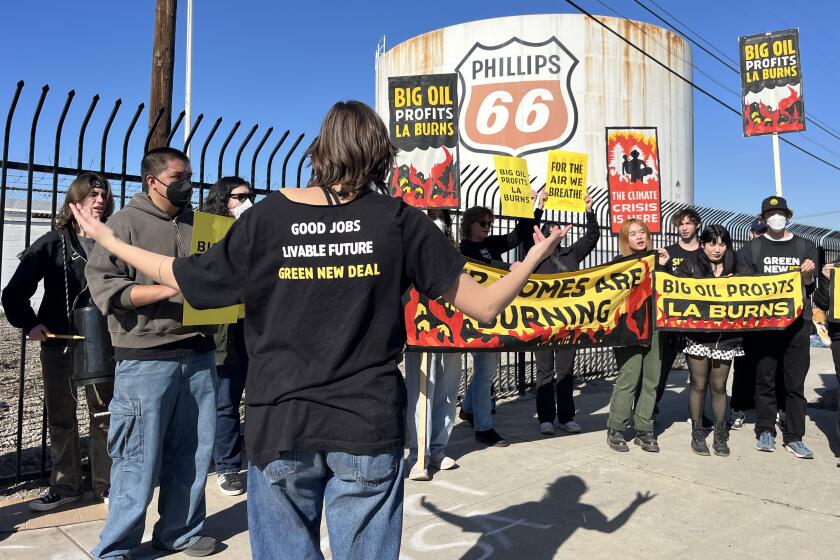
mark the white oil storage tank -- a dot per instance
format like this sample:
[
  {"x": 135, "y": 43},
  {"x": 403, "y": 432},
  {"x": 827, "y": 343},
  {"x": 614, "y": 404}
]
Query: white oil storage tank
[{"x": 589, "y": 80}]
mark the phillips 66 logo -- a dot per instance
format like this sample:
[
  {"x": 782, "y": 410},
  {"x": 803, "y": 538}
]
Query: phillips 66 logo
[{"x": 517, "y": 97}]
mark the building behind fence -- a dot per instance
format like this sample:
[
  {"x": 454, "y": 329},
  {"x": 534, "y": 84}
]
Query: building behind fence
[{"x": 269, "y": 157}]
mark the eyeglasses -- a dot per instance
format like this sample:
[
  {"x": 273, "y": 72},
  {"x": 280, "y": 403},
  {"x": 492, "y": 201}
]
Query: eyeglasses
[
  {"x": 484, "y": 223},
  {"x": 242, "y": 196}
]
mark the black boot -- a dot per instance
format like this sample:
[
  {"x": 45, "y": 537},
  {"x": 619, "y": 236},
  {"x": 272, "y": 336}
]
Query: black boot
[
  {"x": 698, "y": 439},
  {"x": 721, "y": 437},
  {"x": 615, "y": 440},
  {"x": 647, "y": 441}
]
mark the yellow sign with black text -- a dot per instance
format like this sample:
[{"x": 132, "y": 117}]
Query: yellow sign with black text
[
  {"x": 514, "y": 186},
  {"x": 566, "y": 181},
  {"x": 209, "y": 229},
  {"x": 765, "y": 302}
]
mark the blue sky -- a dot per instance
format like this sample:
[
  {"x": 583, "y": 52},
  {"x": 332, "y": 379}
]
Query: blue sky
[{"x": 283, "y": 64}]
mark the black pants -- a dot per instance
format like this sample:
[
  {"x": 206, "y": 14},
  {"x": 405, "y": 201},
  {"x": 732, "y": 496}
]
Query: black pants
[
  {"x": 791, "y": 349},
  {"x": 834, "y": 332},
  {"x": 743, "y": 379},
  {"x": 562, "y": 364}
]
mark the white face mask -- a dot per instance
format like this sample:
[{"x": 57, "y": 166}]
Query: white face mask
[
  {"x": 440, "y": 224},
  {"x": 240, "y": 208},
  {"x": 776, "y": 222}
]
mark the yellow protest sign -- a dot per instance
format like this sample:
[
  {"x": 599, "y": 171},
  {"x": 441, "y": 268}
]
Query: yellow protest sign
[
  {"x": 834, "y": 297},
  {"x": 209, "y": 229},
  {"x": 514, "y": 186},
  {"x": 566, "y": 181}
]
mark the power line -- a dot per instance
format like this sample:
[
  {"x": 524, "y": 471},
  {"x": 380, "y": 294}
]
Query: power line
[
  {"x": 808, "y": 117},
  {"x": 691, "y": 83}
]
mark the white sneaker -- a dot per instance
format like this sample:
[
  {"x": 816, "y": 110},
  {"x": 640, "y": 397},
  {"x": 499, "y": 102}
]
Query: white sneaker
[
  {"x": 442, "y": 462},
  {"x": 416, "y": 473},
  {"x": 547, "y": 428},
  {"x": 571, "y": 426}
]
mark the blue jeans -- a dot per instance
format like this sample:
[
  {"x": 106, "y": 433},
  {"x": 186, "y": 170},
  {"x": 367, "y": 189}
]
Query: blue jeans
[
  {"x": 477, "y": 396},
  {"x": 227, "y": 453},
  {"x": 441, "y": 399},
  {"x": 363, "y": 496},
  {"x": 163, "y": 418}
]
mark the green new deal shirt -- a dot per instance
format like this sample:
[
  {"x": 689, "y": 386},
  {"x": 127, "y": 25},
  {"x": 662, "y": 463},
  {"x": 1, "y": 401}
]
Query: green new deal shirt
[{"x": 323, "y": 317}]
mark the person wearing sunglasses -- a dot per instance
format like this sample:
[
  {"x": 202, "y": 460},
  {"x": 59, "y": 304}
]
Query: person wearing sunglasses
[
  {"x": 478, "y": 244},
  {"x": 58, "y": 259},
  {"x": 229, "y": 196}
]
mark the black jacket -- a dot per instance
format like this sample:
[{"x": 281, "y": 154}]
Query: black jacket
[
  {"x": 697, "y": 266},
  {"x": 47, "y": 259},
  {"x": 568, "y": 259}
]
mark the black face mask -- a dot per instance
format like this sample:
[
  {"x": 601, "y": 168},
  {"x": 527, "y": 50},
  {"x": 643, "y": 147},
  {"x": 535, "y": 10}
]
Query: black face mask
[{"x": 178, "y": 193}]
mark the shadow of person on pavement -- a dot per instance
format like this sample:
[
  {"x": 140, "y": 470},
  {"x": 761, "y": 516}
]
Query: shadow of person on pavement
[{"x": 537, "y": 529}]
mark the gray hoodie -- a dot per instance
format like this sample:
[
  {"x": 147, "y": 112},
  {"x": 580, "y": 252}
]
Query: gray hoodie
[{"x": 144, "y": 225}]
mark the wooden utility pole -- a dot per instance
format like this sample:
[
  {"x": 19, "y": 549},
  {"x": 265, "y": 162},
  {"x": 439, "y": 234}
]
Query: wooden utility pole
[{"x": 163, "y": 66}]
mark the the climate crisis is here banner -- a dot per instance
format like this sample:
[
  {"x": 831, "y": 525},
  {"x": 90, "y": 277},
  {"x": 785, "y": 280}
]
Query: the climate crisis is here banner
[
  {"x": 607, "y": 305},
  {"x": 765, "y": 302}
]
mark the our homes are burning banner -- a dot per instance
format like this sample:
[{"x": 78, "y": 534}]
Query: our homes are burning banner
[
  {"x": 771, "y": 83},
  {"x": 834, "y": 297},
  {"x": 424, "y": 128},
  {"x": 765, "y": 302},
  {"x": 633, "y": 176},
  {"x": 608, "y": 305}
]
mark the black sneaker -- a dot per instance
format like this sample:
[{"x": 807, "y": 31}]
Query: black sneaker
[
  {"x": 465, "y": 416},
  {"x": 51, "y": 501},
  {"x": 104, "y": 496},
  {"x": 647, "y": 441},
  {"x": 615, "y": 440},
  {"x": 229, "y": 484},
  {"x": 203, "y": 546},
  {"x": 721, "y": 436},
  {"x": 491, "y": 438},
  {"x": 698, "y": 441}
]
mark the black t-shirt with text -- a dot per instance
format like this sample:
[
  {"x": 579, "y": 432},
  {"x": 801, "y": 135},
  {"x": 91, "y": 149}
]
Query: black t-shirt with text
[
  {"x": 767, "y": 256},
  {"x": 323, "y": 316},
  {"x": 676, "y": 255}
]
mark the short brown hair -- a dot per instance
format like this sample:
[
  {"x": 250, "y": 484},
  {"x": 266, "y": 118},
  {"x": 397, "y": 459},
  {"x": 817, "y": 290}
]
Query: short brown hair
[
  {"x": 77, "y": 192},
  {"x": 155, "y": 161},
  {"x": 689, "y": 213},
  {"x": 352, "y": 150},
  {"x": 471, "y": 216},
  {"x": 624, "y": 236}
]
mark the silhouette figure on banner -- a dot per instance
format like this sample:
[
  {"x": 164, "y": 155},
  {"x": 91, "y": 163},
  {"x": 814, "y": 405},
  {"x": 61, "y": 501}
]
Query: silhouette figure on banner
[
  {"x": 635, "y": 167},
  {"x": 537, "y": 529}
]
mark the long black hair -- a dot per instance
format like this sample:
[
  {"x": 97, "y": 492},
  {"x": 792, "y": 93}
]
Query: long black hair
[
  {"x": 710, "y": 235},
  {"x": 217, "y": 200}
]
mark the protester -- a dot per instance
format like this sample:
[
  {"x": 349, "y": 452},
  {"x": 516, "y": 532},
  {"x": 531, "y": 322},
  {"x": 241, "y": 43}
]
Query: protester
[
  {"x": 442, "y": 385},
  {"x": 743, "y": 367},
  {"x": 478, "y": 244},
  {"x": 163, "y": 415},
  {"x": 58, "y": 258},
  {"x": 321, "y": 271},
  {"x": 687, "y": 224},
  {"x": 229, "y": 196},
  {"x": 822, "y": 299},
  {"x": 555, "y": 399},
  {"x": 779, "y": 250},
  {"x": 710, "y": 354},
  {"x": 639, "y": 367}
]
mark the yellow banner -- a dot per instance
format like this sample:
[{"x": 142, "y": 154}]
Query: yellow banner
[
  {"x": 566, "y": 181},
  {"x": 209, "y": 229},
  {"x": 608, "y": 305},
  {"x": 514, "y": 186},
  {"x": 769, "y": 301},
  {"x": 834, "y": 297}
]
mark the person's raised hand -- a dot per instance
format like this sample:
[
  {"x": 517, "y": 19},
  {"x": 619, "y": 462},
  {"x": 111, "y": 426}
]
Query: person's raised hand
[
  {"x": 663, "y": 256},
  {"x": 38, "y": 333},
  {"x": 826, "y": 271},
  {"x": 92, "y": 226},
  {"x": 807, "y": 268},
  {"x": 588, "y": 201},
  {"x": 544, "y": 246}
]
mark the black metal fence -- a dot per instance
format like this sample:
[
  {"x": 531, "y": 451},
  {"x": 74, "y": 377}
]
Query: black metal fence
[{"x": 32, "y": 190}]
